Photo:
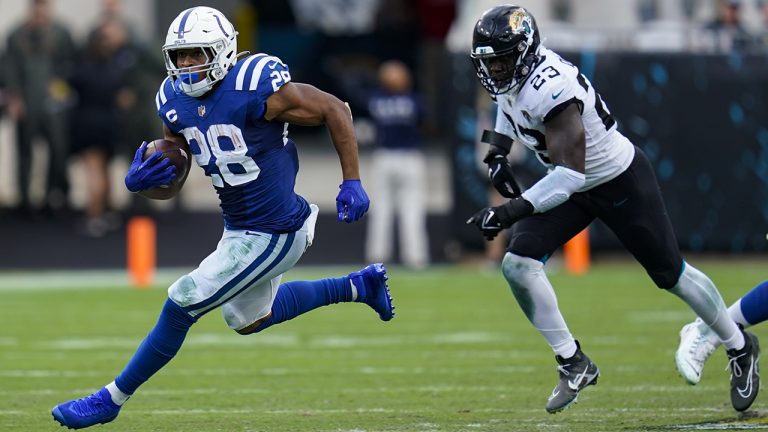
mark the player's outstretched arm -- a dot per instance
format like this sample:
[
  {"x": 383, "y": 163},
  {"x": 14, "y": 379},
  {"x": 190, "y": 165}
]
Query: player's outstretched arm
[{"x": 306, "y": 105}]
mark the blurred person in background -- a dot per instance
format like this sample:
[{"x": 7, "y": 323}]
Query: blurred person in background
[
  {"x": 398, "y": 170},
  {"x": 762, "y": 36},
  {"x": 232, "y": 116},
  {"x": 104, "y": 81},
  {"x": 698, "y": 341},
  {"x": 40, "y": 54},
  {"x": 547, "y": 105},
  {"x": 726, "y": 31},
  {"x": 434, "y": 21}
]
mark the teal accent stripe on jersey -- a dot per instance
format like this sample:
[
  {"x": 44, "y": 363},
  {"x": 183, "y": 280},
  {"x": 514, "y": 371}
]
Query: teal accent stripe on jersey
[{"x": 237, "y": 279}]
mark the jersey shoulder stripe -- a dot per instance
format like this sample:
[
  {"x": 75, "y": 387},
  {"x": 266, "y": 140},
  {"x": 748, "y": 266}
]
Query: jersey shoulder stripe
[
  {"x": 252, "y": 68},
  {"x": 166, "y": 90}
]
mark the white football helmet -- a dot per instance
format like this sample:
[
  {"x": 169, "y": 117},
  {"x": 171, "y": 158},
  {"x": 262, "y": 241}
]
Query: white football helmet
[{"x": 206, "y": 28}]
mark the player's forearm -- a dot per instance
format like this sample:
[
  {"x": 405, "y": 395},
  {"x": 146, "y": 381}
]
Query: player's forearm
[{"x": 338, "y": 120}]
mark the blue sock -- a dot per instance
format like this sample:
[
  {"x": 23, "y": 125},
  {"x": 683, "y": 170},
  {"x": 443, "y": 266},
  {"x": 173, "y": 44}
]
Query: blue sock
[
  {"x": 754, "y": 305},
  {"x": 157, "y": 349},
  {"x": 298, "y": 297}
]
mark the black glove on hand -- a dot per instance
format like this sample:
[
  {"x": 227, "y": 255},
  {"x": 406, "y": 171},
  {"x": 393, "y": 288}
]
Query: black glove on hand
[
  {"x": 500, "y": 173},
  {"x": 492, "y": 220}
]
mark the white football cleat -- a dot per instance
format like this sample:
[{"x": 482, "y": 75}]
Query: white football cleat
[{"x": 697, "y": 343}]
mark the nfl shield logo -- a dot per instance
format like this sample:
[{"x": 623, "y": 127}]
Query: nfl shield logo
[{"x": 201, "y": 110}]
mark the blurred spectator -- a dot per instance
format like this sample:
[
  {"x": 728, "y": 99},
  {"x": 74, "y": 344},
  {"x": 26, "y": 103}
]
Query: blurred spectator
[
  {"x": 434, "y": 18},
  {"x": 399, "y": 170},
  {"x": 647, "y": 10},
  {"x": 2, "y": 85},
  {"x": 103, "y": 80},
  {"x": 727, "y": 31},
  {"x": 562, "y": 10},
  {"x": 336, "y": 17},
  {"x": 39, "y": 58},
  {"x": 762, "y": 37}
]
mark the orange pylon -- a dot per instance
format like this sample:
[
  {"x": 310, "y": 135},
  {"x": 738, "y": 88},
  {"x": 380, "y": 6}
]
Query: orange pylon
[
  {"x": 142, "y": 250},
  {"x": 577, "y": 256}
]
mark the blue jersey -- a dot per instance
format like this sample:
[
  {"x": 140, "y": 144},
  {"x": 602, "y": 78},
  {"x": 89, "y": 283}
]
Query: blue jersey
[
  {"x": 251, "y": 162},
  {"x": 397, "y": 117}
]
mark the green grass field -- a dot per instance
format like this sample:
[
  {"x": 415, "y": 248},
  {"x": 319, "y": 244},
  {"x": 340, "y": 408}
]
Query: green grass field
[{"x": 459, "y": 356}]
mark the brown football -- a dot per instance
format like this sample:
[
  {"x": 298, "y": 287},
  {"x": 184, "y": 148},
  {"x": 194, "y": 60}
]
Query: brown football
[{"x": 179, "y": 159}]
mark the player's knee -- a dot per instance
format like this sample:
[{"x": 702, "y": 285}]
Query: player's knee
[
  {"x": 254, "y": 327},
  {"x": 183, "y": 291},
  {"x": 518, "y": 270},
  {"x": 527, "y": 245},
  {"x": 665, "y": 278}
]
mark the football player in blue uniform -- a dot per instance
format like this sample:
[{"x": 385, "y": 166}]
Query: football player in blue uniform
[
  {"x": 547, "y": 105},
  {"x": 232, "y": 115},
  {"x": 698, "y": 341}
]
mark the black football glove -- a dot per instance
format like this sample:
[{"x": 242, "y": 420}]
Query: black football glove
[
  {"x": 500, "y": 173},
  {"x": 492, "y": 220}
]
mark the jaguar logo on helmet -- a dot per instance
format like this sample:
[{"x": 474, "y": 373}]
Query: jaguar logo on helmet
[{"x": 520, "y": 22}]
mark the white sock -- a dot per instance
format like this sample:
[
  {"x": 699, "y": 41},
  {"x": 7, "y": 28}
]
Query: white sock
[
  {"x": 118, "y": 397},
  {"x": 735, "y": 312},
  {"x": 696, "y": 289},
  {"x": 536, "y": 298}
]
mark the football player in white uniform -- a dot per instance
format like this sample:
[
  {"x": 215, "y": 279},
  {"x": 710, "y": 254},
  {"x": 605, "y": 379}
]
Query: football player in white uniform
[
  {"x": 594, "y": 172},
  {"x": 232, "y": 115}
]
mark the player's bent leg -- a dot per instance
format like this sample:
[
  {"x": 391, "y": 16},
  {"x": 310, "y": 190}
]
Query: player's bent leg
[
  {"x": 157, "y": 349},
  {"x": 299, "y": 297},
  {"x": 697, "y": 343},
  {"x": 700, "y": 293},
  {"x": 536, "y": 297}
]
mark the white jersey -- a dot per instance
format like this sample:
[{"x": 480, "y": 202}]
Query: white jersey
[{"x": 553, "y": 85}]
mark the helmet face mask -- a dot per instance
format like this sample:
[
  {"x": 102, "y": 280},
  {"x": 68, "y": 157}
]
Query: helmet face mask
[
  {"x": 191, "y": 74},
  {"x": 505, "y": 44},
  {"x": 206, "y": 29}
]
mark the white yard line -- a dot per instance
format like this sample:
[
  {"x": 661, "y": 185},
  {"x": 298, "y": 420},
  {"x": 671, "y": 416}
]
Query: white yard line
[{"x": 53, "y": 280}]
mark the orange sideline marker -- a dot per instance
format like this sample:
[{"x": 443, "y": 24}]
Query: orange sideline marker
[
  {"x": 576, "y": 250},
  {"x": 141, "y": 241}
]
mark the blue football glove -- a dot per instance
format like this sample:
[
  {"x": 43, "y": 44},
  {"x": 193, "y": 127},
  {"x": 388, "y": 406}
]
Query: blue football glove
[
  {"x": 352, "y": 202},
  {"x": 155, "y": 171}
]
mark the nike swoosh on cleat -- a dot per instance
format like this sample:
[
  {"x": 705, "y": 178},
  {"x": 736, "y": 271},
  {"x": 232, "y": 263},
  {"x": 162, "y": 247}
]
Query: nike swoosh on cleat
[
  {"x": 693, "y": 368},
  {"x": 554, "y": 394},
  {"x": 574, "y": 384},
  {"x": 747, "y": 390}
]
